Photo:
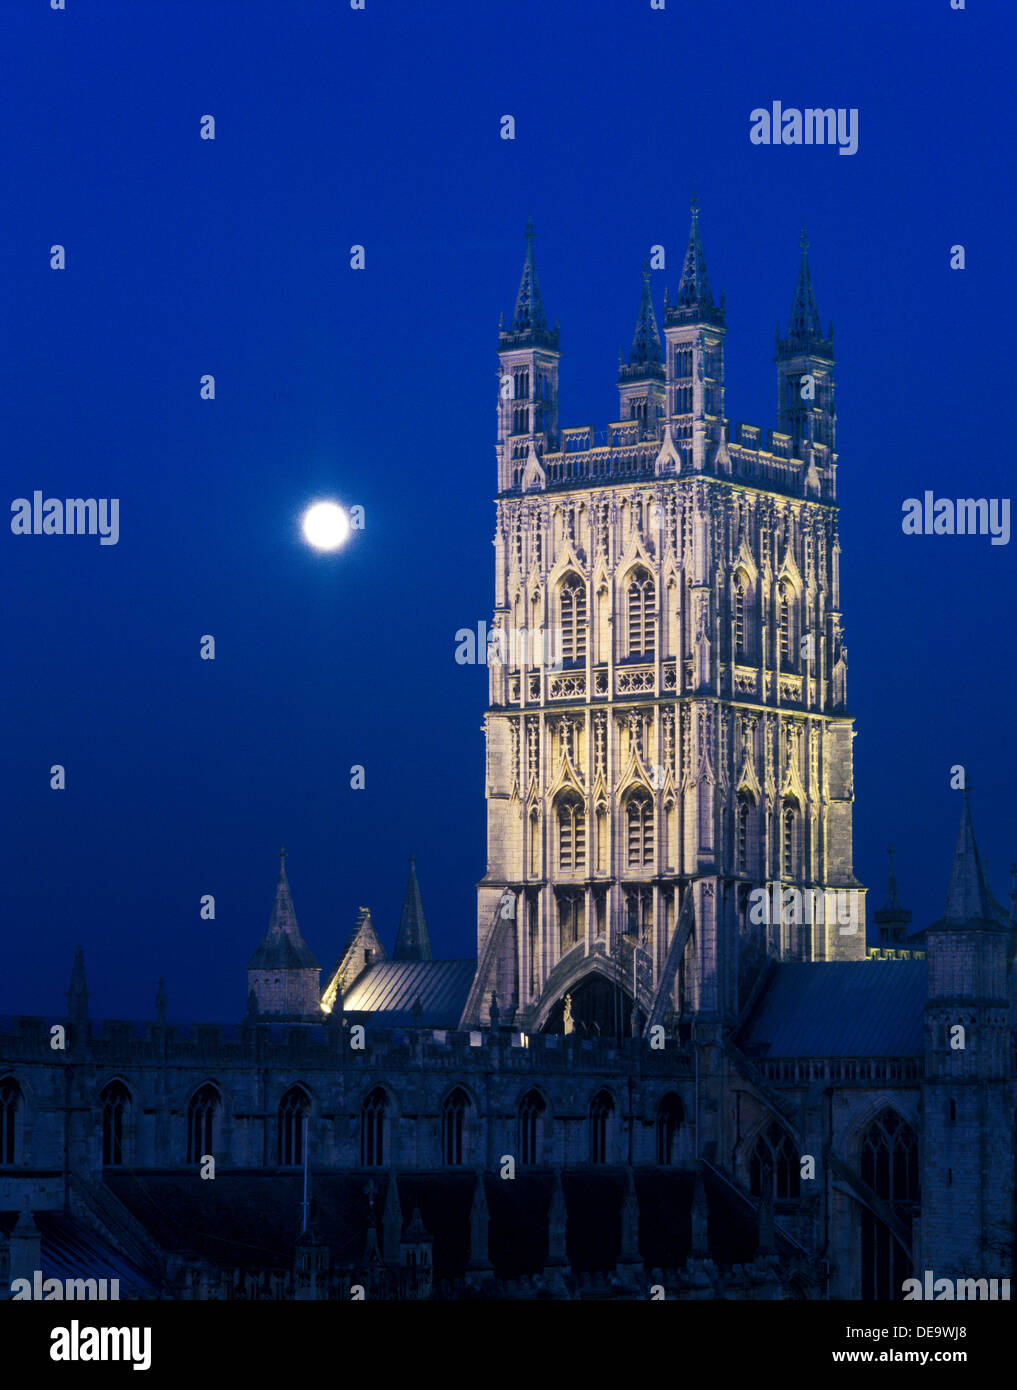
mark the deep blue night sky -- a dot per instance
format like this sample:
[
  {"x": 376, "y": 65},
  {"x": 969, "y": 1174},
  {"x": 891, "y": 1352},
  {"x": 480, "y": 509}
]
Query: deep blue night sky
[{"x": 381, "y": 127}]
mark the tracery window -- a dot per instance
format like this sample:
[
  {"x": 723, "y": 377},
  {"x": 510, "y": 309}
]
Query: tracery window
[
  {"x": 571, "y": 833},
  {"x": 639, "y": 820},
  {"x": 294, "y": 1108},
  {"x": 889, "y": 1166},
  {"x": 202, "y": 1122},
  {"x": 642, "y": 612},
  {"x": 774, "y": 1167},
  {"x": 573, "y": 618}
]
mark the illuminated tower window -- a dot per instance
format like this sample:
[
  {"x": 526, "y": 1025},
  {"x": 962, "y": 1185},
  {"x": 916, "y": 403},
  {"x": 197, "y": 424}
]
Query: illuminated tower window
[
  {"x": 571, "y": 834},
  {"x": 573, "y": 619},
  {"x": 641, "y": 614},
  {"x": 639, "y": 816}
]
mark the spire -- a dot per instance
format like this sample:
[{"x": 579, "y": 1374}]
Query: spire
[
  {"x": 529, "y": 327},
  {"x": 77, "y": 994},
  {"x": 804, "y": 332},
  {"x": 282, "y": 947},
  {"x": 647, "y": 356},
  {"x": 968, "y": 902},
  {"x": 412, "y": 942},
  {"x": 694, "y": 301}
]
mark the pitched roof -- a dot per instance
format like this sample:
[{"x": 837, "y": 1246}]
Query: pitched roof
[
  {"x": 282, "y": 947},
  {"x": 389, "y": 990},
  {"x": 412, "y": 941},
  {"x": 840, "y": 1009}
]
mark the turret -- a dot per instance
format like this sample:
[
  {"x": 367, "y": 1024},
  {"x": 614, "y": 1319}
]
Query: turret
[
  {"x": 694, "y": 333},
  {"x": 527, "y": 380},
  {"x": 805, "y": 408},
  {"x": 282, "y": 974},
  {"x": 641, "y": 381}
]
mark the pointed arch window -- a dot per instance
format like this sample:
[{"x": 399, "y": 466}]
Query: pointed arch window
[
  {"x": 571, "y": 834},
  {"x": 203, "y": 1114},
  {"x": 11, "y": 1111},
  {"x": 601, "y": 1114},
  {"x": 774, "y": 1169},
  {"x": 573, "y": 618},
  {"x": 534, "y": 824},
  {"x": 294, "y": 1109},
  {"x": 531, "y": 1109},
  {"x": 889, "y": 1166},
  {"x": 784, "y": 623},
  {"x": 739, "y": 615},
  {"x": 116, "y": 1109},
  {"x": 639, "y": 821},
  {"x": 453, "y": 1127},
  {"x": 789, "y": 839},
  {"x": 372, "y": 1129},
  {"x": 742, "y": 834},
  {"x": 642, "y": 613},
  {"x": 670, "y": 1114}
]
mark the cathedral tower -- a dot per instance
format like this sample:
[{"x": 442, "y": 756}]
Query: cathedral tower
[
  {"x": 282, "y": 973},
  {"x": 669, "y": 783}
]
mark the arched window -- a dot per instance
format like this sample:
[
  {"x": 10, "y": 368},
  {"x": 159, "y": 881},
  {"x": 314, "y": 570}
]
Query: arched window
[
  {"x": 571, "y": 834},
  {"x": 203, "y": 1122},
  {"x": 784, "y": 623},
  {"x": 294, "y": 1109},
  {"x": 11, "y": 1108},
  {"x": 116, "y": 1108},
  {"x": 642, "y": 612},
  {"x": 742, "y": 829},
  {"x": 773, "y": 1166},
  {"x": 531, "y": 1108},
  {"x": 890, "y": 1167},
  {"x": 573, "y": 618},
  {"x": 739, "y": 615},
  {"x": 789, "y": 836},
  {"x": 639, "y": 819},
  {"x": 453, "y": 1126},
  {"x": 534, "y": 824},
  {"x": 601, "y": 1111},
  {"x": 670, "y": 1114},
  {"x": 372, "y": 1129}
]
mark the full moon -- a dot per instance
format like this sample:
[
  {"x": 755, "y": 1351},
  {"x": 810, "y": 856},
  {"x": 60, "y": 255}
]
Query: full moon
[{"x": 326, "y": 526}]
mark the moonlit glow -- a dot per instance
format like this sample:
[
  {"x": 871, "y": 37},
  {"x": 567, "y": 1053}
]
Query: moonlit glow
[{"x": 326, "y": 526}]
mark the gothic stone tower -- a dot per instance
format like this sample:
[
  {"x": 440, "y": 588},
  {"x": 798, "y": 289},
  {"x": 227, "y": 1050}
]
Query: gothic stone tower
[{"x": 668, "y": 728}]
